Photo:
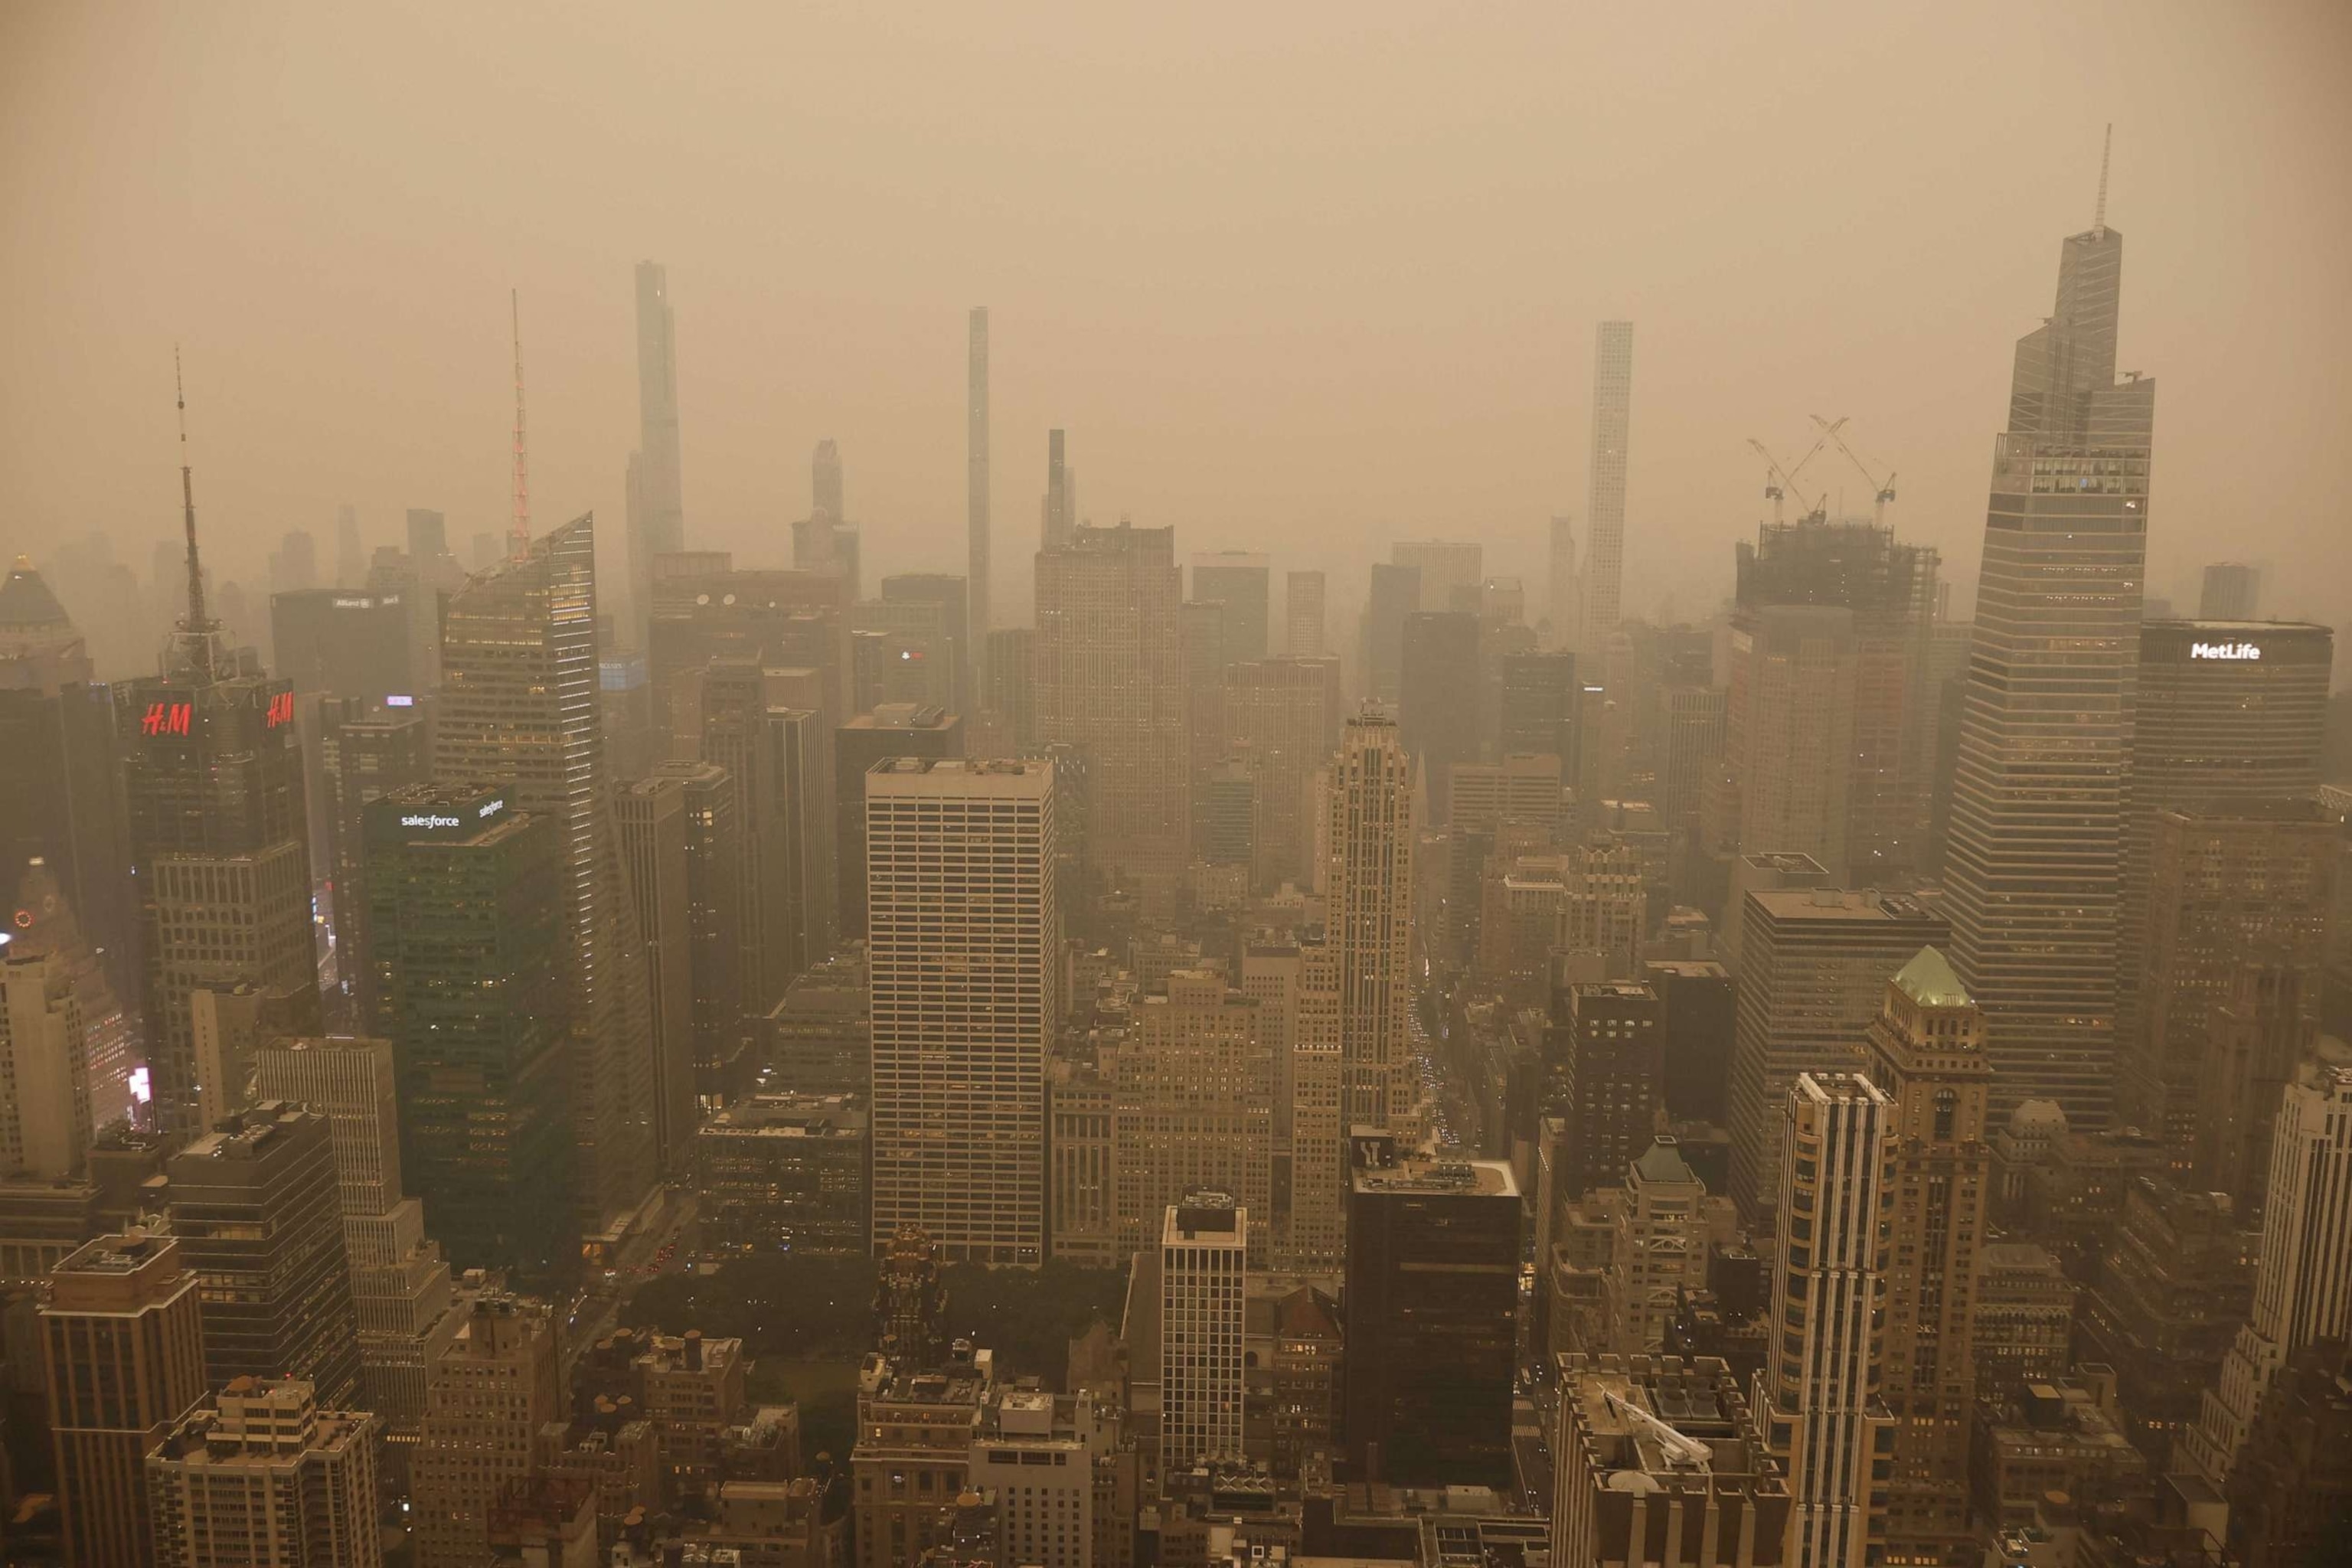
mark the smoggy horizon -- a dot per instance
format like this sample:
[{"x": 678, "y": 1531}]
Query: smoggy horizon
[{"x": 1307, "y": 285}]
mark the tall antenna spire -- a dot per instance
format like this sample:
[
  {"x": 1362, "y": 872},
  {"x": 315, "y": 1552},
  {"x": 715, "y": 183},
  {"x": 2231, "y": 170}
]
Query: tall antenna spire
[
  {"x": 519, "y": 530},
  {"x": 198, "y": 627},
  {"x": 2099, "y": 217}
]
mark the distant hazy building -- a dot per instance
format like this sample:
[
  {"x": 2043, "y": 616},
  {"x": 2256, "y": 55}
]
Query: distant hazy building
[
  {"x": 349, "y": 645},
  {"x": 2232, "y": 591},
  {"x": 964, "y": 939},
  {"x": 1438, "y": 715},
  {"x": 1303, "y": 610},
  {"x": 123, "y": 1343},
  {"x": 1203, "y": 1274},
  {"x": 1431, "y": 1311},
  {"x": 1604, "y": 505},
  {"x": 657, "y": 511},
  {"x": 1006, "y": 690},
  {"x": 1282, "y": 723},
  {"x": 979, "y": 559},
  {"x": 1108, "y": 677},
  {"x": 1243, "y": 583},
  {"x": 649, "y": 817},
  {"x": 365, "y": 754},
  {"x": 1395, "y": 593},
  {"x": 1818, "y": 1398},
  {"x": 2034, "y": 866},
  {"x": 1450, "y": 572}
]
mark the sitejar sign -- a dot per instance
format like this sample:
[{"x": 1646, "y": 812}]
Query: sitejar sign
[{"x": 2227, "y": 650}]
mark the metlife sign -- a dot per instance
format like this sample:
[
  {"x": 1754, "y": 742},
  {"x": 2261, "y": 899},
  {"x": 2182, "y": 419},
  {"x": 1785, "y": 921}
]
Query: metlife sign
[{"x": 2236, "y": 652}]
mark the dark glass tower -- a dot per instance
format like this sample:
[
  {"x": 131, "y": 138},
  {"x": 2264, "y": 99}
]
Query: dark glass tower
[
  {"x": 2035, "y": 862},
  {"x": 468, "y": 900}
]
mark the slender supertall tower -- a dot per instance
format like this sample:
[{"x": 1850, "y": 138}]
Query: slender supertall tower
[
  {"x": 1055, "y": 532},
  {"x": 1605, "y": 505},
  {"x": 1565, "y": 629},
  {"x": 656, "y": 515},
  {"x": 519, "y": 529},
  {"x": 2035, "y": 866},
  {"x": 975, "y": 501},
  {"x": 1367, "y": 880}
]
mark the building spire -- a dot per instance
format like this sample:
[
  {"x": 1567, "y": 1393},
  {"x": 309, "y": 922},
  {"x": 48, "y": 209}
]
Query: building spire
[
  {"x": 2099, "y": 215},
  {"x": 198, "y": 627},
  {"x": 519, "y": 530}
]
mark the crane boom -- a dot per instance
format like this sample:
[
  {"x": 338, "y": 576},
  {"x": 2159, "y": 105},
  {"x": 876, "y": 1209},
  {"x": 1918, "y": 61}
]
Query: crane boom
[{"x": 1882, "y": 490}]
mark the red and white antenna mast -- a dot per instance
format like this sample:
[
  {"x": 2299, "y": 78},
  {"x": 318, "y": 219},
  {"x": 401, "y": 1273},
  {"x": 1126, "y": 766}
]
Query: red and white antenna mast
[{"x": 519, "y": 530}]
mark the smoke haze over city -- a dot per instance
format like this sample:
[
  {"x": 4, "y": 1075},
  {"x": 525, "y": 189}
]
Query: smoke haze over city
[{"x": 1318, "y": 275}]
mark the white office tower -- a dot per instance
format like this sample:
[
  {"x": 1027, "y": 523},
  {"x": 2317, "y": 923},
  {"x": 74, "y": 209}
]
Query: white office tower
[
  {"x": 1367, "y": 882},
  {"x": 1604, "y": 510},
  {"x": 963, "y": 944},
  {"x": 1203, "y": 1268},
  {"x": 2303, "y": 1287},
  {"x": 1818, "y": 1403}
]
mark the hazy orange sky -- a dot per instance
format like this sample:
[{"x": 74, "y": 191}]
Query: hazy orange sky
[{"x": 1303, "y": 278}]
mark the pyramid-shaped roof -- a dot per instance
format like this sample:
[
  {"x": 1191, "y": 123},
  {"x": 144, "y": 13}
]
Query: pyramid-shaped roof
[
  {"x": 1928, "y": 980},
  {"x": 1662, "y": 1162},
  {"x": 26, "y": 600}
]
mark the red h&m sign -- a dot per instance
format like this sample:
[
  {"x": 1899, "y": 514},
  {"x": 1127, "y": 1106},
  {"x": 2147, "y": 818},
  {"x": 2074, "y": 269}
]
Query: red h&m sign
[
  {"x": 166, "y": 718},
  {"x": 281, "y": 710}
]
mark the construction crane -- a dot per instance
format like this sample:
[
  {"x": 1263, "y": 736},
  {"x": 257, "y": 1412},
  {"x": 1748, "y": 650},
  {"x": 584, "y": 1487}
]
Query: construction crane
[
  {"x": 1780, "y": 482},
  {"x": 1883, "y": 490}
]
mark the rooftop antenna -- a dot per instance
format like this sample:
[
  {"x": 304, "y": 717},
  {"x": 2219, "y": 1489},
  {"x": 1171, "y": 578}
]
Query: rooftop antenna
[
  {"x": 2099, "y": 217},
  {"x": 198, "y": 627},
  {"x": 519, "y": 530}
]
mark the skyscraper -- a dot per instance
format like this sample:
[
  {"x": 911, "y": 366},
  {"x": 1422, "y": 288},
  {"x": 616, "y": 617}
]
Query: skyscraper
[
  {"x": 650, "y": 818},
  {"x": 1610, "y": 1042},
  {"x": 1108, "y": 679},
  {"x": 365, "y": 754},
  {"x": 824, "y": 482},
  {"x": 259, "y": 1216},
  {"x": 470, "y": 919},
  {"x": 1058, "y": 524},
  {"x": 1302, "y": 613},
  {"x": 1451, "y": 572},
  {"x": 1394, "y": 593},
  {"x": 1817, "y": 1399},
  {"x": 2302, "y": 1286},
  {"x": 657, "y": 514},
  {"x": 1281, "y": 720},
  {"x": 1367, "y": 882},
  {"x": 976, "y": 494},
  {"x": 1244, "y": 584},
  {"x": 123, "y": 1342},
  {"x": 2225, "y": 710},
  {"x": 1928, "y": 1051},
  {"x": 1438, "y": 713},
  {"x": 45, "y": 1122},
  {"x": 2034, "y": 865},
  {"x": 1192, "y": 1096},
  {"x": 1203, "y": 1268},
  {"x": 2232, "y": 591},
  {"x": 1812, "y": 970},
  {"x": 1564, "y": 611},
  {"x": 963, "y": 943},
  {"x": 714, "y": 865},
  {"x": 1604, "y": 505},
  {"x": 219, "y": 840},
  {"x": 400, "y": 1282},
  {"x": 518, "y": 707}
]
